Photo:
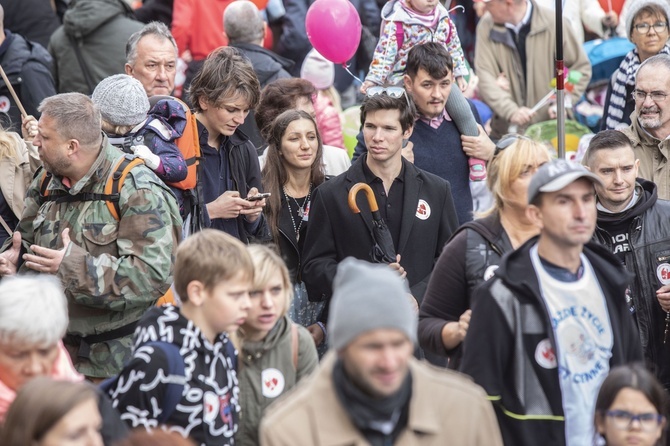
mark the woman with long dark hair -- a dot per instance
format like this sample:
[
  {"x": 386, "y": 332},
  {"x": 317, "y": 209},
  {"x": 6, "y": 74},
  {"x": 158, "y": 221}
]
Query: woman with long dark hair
[{"x": 293, "y": 168}]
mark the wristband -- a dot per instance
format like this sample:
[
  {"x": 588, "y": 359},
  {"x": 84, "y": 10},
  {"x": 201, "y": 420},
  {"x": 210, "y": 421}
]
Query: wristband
[{"x": 322, "y": 326}]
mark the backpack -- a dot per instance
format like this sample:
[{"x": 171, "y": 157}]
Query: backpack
[
  {"x": 188, "y": 144},
  {"x": 174, "y": 389},
  {"x": 112, "y": 187}
]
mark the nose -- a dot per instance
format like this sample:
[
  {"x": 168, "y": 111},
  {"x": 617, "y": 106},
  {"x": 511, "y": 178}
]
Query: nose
[
  {"x": 618, "y": 179},
  {"x": 266, "y": 300},
  {"x": 304, "y": 143},
  {"x": 388, "y": 359},
  {"x": 436, "y": 93},
  {"x": 34, "y": 365},
  {"x": 648, "y": 102},
  {"x": 161, "y": 74},
  {"x": 239, "y": 116},
  {"x": 377, "y": 136},
  {"x": 579, "y": 210},
  {"x": 245, "y": 302}
]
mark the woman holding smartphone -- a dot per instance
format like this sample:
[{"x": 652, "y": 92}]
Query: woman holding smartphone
[{"x": 293, "y": 168}]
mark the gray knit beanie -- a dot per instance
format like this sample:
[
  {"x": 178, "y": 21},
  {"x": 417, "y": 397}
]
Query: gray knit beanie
[
  {"x": 121, "y": 99},
  {"x": 635, "y": 7},
  {"x": 368, "y": 297}
]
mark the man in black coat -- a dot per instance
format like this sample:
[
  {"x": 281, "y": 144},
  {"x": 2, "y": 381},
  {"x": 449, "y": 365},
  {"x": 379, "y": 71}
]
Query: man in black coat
[{"x": 417, "y": 206}]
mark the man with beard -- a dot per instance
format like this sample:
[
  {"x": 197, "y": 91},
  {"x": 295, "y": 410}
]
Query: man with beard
[
  {"x": 650, "y": 126},
  {"x": 112, "y": 267},
  {"x": 632, "y": 223}
]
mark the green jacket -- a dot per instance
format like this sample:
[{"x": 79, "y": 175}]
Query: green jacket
[
  {"x": 113, "y": 271},
  {"x": 267, "y": 371}
]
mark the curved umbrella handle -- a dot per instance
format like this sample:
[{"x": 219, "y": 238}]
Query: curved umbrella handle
[{"x": 372, "y": 201}]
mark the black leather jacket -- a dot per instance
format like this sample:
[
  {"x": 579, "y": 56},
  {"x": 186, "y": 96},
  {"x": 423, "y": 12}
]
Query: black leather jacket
[{"x": 649, "y": 239}]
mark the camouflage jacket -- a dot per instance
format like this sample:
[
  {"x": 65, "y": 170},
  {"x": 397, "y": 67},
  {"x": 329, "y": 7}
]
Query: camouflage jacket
[{"x": 113, "y": 271}]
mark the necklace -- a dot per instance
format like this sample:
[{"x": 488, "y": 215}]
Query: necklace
[{"x": 301, "y": 209}]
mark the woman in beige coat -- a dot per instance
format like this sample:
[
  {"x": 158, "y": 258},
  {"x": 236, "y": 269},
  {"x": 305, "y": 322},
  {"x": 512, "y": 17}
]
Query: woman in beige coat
[{"x": 18, "y": 162}]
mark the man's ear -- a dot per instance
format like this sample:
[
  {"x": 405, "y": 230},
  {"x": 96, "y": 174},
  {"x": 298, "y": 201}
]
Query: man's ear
[
  {"x": 407, "y": 81},
  {"x": 534, "y": 214},
  {"x": 204, "y": 104},
  {"x": 196, "y": 293},
  {"x": 129, "y": 69},
  {"x": 73, "y": 147},
  {"x": 408, "y": 133}
]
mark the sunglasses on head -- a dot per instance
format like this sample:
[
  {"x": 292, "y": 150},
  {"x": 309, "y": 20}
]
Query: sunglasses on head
[
  {"x": 394, "y": 92},
  {"x": 508, "y": 140}
]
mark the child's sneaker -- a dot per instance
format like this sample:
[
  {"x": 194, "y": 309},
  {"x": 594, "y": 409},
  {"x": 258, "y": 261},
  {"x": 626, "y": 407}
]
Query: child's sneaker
[{"x": 477, "y": 169}]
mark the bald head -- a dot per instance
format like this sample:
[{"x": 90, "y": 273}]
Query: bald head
[{"x": 243, "y": 23}]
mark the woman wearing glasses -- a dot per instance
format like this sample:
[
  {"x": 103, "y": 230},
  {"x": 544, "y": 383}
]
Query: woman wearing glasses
[
  {"x": 647, "y": 28},
  {"x": 630, "y": 409},
  {"x": 474, "y": 251}
]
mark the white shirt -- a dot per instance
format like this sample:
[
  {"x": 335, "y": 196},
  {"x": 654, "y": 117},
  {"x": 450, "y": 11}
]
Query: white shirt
[{"x": 583, "y": 334}]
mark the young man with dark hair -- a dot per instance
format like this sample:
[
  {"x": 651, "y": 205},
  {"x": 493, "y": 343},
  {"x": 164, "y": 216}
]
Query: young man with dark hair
[
  {"x": 633, "y": 225},
  {"x": 416, "y": 205},
  {"x": 436, "y": 145},
  {"x": 222, "y": 93}
]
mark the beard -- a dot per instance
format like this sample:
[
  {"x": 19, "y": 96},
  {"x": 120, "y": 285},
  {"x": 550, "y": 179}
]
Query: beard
[{"x": 650, "y": 122}]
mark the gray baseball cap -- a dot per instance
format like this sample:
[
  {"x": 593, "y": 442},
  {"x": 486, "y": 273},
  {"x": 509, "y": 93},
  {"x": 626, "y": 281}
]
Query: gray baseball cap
[{"x": 557, "y": 174}]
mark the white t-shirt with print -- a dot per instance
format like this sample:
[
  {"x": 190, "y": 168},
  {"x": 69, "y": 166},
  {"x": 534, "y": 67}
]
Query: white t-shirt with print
[{"x": 583, "y": 334}]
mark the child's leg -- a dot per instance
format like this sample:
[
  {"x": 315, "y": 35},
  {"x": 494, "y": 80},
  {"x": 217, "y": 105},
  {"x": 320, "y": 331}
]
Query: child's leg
[{"x": 459, "y": 110}]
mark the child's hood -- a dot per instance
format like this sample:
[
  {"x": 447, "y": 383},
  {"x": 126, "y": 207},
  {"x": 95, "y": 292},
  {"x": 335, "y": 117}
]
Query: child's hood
[{"x": 394, "y": 12}]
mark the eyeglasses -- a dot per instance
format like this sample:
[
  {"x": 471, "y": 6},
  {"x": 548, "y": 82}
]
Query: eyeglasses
[
  {"x": 508, "y": 140},
  {"x": 622, "y": 419},
  {"x": 394, "y": 92},
  {"x": 656, "y": 96},
  {"x": 643, "y": 28}
]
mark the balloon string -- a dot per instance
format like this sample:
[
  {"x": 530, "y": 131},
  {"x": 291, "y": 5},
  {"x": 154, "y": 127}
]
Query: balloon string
[{"x": 346, "y": 67}]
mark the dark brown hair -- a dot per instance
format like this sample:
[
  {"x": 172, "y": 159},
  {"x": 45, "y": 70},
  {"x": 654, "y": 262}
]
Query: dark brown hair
[
  {"x": 386, "y": 102},
  {"x": 274, "y": 171},
  {"x": 279, "y": 96}
]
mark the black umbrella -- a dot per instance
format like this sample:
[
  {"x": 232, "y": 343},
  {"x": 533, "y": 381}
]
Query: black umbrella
[{"x": 382, "y": 249}]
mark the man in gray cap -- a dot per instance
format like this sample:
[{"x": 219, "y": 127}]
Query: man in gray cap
[
  {"x": 371, "y": 390},
  {"x": 553, "y": 321}
]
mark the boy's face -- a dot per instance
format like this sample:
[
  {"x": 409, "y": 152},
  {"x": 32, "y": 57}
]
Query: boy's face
[
  {"x": 268, "y": 304},
  {"x": 226, "y": 305},
  {"x": 226, "y": 117}
]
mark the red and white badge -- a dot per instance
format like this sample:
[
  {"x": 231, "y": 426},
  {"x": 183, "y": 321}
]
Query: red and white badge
[
  {"x": 545, "y": 355},
  {"x": 423, "y": 210},
  {"x": 4, "y": 104},
  {"x": 210, "y": 410},
  {"x": 663, "y": 273},
  {"x": 272, "y": 382},
  {"x": 490, "y": 271}
]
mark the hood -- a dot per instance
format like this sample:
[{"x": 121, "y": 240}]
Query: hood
[
  {"x": 647, "y": 199},
  {"x": 20, "y": 51},
  {"x": 516, "y": 268},
  {"x": 281, "y": 329},
  {"x": 167, "y": 324},
  {"x": 394, "y": 12},
  {"x": 85, "y": 16}
]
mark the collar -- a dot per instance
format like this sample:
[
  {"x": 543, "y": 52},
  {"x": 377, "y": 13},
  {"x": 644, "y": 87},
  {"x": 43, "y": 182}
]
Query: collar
[
  {"x": 370, "y": 177},
  {"x": 337, "y": 428},
  {"x": 525, "y": 21},
  {"x": 437, "y": 121}
]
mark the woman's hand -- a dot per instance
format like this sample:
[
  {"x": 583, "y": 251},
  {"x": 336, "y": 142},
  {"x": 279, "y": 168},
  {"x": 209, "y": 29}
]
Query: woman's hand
[{"x": 453, "y": 333}]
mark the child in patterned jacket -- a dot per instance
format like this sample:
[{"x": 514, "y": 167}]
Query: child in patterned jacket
[{"x": 405, "y": 24}]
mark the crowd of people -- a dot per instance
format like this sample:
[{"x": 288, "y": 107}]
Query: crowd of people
[{"x": 190, "y": 256}]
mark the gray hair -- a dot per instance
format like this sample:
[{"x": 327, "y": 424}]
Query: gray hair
[
  {"x": 33, "y": 309},
  {"x": 76, "y": 116},
  {"x": 243, "y": 23},
  {"x": 156, "y": 29},
  {"x": 659, "y": 60}
]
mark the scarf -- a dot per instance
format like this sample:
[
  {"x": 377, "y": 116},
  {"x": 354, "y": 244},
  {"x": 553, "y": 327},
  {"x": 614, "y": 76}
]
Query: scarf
[
  {"x": 378, "y": 419},
  {"x": 429, "y": 20},
  {"x": 622, "y": 77}
]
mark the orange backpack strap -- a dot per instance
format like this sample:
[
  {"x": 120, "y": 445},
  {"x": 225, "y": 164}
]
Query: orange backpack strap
[
  {"x": 189, "y": 146},
  {"x": 294, "y": 345},
  {"x": 115, "y": 182}
]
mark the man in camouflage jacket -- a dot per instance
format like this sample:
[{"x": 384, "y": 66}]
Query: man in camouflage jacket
[{"x": 112, "y": 270}]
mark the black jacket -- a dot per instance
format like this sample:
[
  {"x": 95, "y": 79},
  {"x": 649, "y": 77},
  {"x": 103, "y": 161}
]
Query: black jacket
[
  {"x": 499, "y": 351},
  {"x": 28, "y": 67},
  {"x": 244, "y": 172},
  {"x": 334, "y": 232},
  {"x": 649, "y": 239},
  {"x": 467, "y": 260}
]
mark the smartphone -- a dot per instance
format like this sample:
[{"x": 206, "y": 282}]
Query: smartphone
[{"x": 258, "y": 196}]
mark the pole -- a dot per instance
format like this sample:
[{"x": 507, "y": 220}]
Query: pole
[{"x": 560, "y": 81}]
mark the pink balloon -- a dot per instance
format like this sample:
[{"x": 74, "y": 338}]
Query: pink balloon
[{"x": 334, "y": 29}]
